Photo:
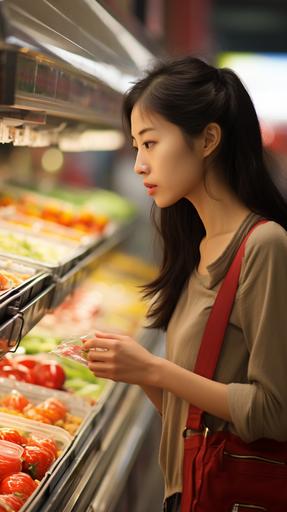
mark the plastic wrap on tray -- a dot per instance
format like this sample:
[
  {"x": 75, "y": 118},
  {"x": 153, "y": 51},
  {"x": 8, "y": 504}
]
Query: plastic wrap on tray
[
  {"x": 52, "y": 407},
  {"x": 31, "y": 247},
  {"x": 9, "y": 219},
  {"x": 63, "y": 439},
  {"x": 58, "y": 257},
  {"x": 54, "y": 210},
  {"x": 41, "y": 445},
  {"x": 21, "y": 283},
  {"x": 37, "y": 394},
  {"x": 13, "y": 274}
]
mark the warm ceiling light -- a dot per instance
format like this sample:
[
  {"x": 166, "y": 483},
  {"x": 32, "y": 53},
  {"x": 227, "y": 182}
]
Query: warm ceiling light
[
  {"x": 52, "y": 160},
  {"x": 92, "y": 140}
]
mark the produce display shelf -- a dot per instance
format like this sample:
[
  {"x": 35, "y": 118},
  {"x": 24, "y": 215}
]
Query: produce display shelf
[
  {"x": 81, "y": 470},
  {"x": 58, "y": 485},
  {"x": 10, "y": 334},
  {"x": 22, "y": 295},
  {"x": 36, "y": 309},
  {"x": 72, "y": 279},
  {"x": 48, "y": 290}
]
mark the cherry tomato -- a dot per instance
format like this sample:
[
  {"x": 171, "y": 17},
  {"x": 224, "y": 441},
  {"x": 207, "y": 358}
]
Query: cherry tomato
[
  {"x": 14, "y": 401},
  {"x": 31, "y": 414},
  {"x": 10, "y": 503},
  {"x": 36, "y": 461},
  {"x": 9, "y": 434},
  {"x": 14, "y": 372},
  {"x": 5, "y": 362},
  {"x": 52, "y": 409},
  {"x": 46, "y": 442},
  {"x": 29, "y": 362},
  {"x": 50, "y": 375},
  {"x": 20, "y": 484}
]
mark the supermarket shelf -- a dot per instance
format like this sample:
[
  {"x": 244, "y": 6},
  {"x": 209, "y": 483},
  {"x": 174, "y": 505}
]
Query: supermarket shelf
[
  {"x": 58, "y": 487},
  {"x": 71, "y": 486},
  {"x": 32, "y": 302},
  {"x": 67, "y": 284},
  {"x": 121, "y": 465}
]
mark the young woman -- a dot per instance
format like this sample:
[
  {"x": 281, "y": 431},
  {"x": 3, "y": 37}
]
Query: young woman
[{"x": 199, "y": 154}]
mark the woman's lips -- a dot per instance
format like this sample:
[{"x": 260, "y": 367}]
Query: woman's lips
[{"x": 150, "y": 188}]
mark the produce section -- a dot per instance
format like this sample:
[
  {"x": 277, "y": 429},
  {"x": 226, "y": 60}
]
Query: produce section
[
  {"x": 27, "y": 452},
  {"x": 63, "y": 258},
  {"x": 41, "y": 381},
  {"x": 42, "y": 384},
  {"x": 27, "y": 205},
  {"x": 63, "y": 235}
]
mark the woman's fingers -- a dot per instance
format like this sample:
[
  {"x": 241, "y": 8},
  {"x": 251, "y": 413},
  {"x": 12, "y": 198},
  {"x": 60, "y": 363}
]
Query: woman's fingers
[
  {"x": 102, "y": 370},
  {"x": 98, "y": 355},
  {"x": 110, "y": 335},
  {"x": 96, "y": 342}
]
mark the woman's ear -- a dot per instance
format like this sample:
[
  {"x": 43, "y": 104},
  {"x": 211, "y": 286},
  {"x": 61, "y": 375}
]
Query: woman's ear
[{"x": 211, "y": 138}]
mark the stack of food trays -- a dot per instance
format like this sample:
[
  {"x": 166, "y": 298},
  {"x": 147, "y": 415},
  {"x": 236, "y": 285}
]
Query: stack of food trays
[
  {"x": 62, "y": 214},
  {"x": 43, "y": 424},
  {"x": 55, "y": 257},
  {"x": 53, "y": 242},
  {"x": 20, "y": 283},
  {"x": 11, "y": 219}
]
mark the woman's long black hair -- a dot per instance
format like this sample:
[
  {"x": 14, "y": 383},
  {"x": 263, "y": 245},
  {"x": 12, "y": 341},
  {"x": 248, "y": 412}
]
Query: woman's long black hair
[{"x": 190, "y": 94}]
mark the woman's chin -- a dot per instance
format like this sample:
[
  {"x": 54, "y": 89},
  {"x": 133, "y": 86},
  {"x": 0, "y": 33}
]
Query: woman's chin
[{"x": 165, "y": 203}]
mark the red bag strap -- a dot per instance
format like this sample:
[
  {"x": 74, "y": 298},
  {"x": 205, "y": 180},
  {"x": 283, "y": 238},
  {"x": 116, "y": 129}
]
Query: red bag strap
[{"x": 213, "y": 336}]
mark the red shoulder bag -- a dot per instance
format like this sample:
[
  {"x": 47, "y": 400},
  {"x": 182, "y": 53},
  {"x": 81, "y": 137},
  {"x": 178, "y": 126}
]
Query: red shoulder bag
[{"x": 222, "y": 473}]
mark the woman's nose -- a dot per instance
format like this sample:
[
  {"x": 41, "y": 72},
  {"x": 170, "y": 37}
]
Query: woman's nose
[{"x": 141, "y": 168}]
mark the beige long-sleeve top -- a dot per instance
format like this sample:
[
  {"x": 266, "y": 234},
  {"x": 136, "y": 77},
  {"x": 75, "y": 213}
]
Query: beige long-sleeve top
[{"x": 253, "y": 361}]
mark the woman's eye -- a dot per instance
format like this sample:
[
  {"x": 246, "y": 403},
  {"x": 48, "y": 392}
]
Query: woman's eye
[
  {"x": 135, "y": 148},
  {"x": 148, "y": 144}
]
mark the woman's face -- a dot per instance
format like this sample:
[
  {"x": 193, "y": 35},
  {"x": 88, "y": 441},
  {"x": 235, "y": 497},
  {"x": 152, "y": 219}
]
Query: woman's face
[{"x": 169, "y": 167}]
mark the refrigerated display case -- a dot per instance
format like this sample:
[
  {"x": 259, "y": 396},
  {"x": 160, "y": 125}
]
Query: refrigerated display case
[{"x": 59, "y": 79}]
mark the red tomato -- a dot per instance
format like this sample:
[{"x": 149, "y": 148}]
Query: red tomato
[
  {"x": 50, "y": 375},
  {"x": 5, "y": 362},
  {"x": 14, "y": 401},
  {"x": 10, "y": 458},
  {"x": 46, "y": 442},
  {"x": 29, "y": 362},
  {"x": 10, "y": 503},
  {"x": 52, "y": 409},
  {"x": 25, "y": 372},
  {"x": 31, "y": 414},
  {"x": 14, "y": 372},
  {"x": 20, "y": 484},
  {"x": 36, "y": 461},
  {"x": 9, "y": 434}
]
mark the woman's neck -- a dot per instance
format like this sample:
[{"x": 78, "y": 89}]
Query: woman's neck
[{"x": 219, "y": 209}]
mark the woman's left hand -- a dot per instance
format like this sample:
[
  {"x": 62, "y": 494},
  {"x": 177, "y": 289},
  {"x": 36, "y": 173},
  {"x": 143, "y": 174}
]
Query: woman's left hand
[{"x": 119, "y": 358}]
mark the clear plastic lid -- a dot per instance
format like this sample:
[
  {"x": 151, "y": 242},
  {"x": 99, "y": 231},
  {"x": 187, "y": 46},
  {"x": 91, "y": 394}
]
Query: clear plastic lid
[
  {"x": 30, "y": 427},
  {"x": 76, "y": 405},
  {"x": 10, "y": 450}
]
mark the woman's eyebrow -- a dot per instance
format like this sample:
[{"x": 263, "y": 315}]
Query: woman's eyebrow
[{"x": 144, "y": 130}]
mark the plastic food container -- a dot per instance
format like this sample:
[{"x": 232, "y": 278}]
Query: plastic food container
[
  {"x": 57, "y": 257},
  {"x": 29, "y": 427},
  {"x": 37, "y": 394},
  {"x": 10, "y": 450},
  {"x": 13, "y": 274},
  {"x": 10, "y": 219},
  {"x": 24, "y": 281}
]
